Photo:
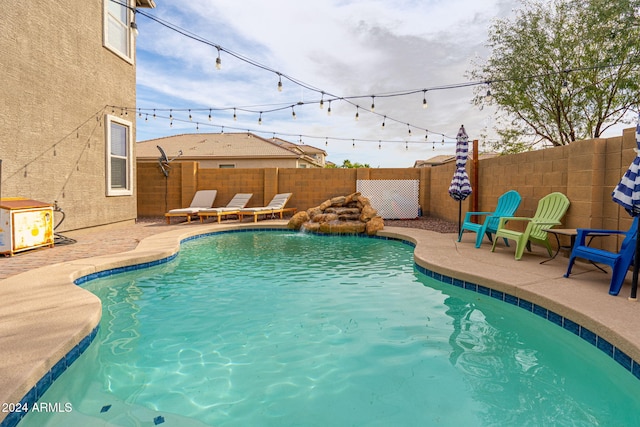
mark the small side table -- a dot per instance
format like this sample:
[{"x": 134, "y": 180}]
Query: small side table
[{"x": 572, "y": 233}]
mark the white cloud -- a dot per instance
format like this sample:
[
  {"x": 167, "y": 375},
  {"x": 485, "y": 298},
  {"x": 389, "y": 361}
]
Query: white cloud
[{"x": 343, "y": 47}]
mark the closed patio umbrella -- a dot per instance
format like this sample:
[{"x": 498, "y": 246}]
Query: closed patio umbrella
[
  {"x": 627, "y": 195},
  {"x": 460, "y": 187}
]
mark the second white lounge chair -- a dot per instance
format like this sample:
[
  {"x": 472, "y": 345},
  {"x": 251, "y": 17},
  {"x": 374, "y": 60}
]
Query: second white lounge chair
[{"x": 238, "y": 202}]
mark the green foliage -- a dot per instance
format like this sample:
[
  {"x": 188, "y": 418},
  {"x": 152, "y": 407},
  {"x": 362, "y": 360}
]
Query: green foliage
[
  {"x": 348, "y": 164},
  {"x": 562, "y": 71}
]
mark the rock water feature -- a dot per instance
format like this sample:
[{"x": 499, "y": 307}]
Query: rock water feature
[{"x": 352, "y": 214}]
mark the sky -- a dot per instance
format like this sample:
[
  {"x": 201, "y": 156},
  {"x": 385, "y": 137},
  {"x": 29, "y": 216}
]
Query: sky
[{"x": 344, "y": 48}]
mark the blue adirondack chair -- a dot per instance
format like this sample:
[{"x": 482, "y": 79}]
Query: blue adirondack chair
[
  {"x": 618, "y": 261},
  {"x": 507, "y": 205}
]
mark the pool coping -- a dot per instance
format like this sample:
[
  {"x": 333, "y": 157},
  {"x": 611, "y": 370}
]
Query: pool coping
[{"x": 47, "y": 320}]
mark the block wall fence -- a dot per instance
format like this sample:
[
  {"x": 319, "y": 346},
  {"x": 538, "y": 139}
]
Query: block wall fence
[{"x": 586, "y": 171}]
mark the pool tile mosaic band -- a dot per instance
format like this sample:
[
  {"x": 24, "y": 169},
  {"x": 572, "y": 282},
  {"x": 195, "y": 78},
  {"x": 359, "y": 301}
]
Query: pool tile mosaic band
[
  {"x": 602, "y": 344},
  {"x": 592, "y": 338}
]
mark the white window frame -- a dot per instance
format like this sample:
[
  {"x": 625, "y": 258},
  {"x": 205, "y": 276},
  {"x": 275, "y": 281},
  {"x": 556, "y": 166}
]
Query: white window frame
[
  {"x": 128, "y": 188},
  {"x": 109, "y": 18}
]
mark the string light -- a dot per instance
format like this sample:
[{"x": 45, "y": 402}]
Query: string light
[
  {"x": 409, "y": 129},
  {"x": 260, "y": 118},
  {"x": 293, "y": 113},
  {"x": 379, "y": 144},
  {"x": 322, "y": 101},
  {"x": 357, "y": 113},
  {"x": 406, "y": 145},
  {"x": 190, "y": 118},
  {"x": 353, "y": 143},
  {"x": 424, "y": 99},
  {"x": 329, "y": 109},
  {"x": 209, "y": 114},
  {"x": 279, "y": 82},
  {"x": 373, "y": 104},
  {"x": 235, "y": 116},
  {"x": 384, "y": 120},
  {"x": 218, "y": 60}
]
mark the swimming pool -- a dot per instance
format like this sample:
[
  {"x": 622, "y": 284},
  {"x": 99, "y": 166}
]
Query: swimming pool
[{"x": 278, "y": 328}]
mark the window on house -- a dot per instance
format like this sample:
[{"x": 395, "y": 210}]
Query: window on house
[
  {"x": 227, "y": 166},
  {"x": 119, "y": 158},
  {"x": 118, "y": 36}
]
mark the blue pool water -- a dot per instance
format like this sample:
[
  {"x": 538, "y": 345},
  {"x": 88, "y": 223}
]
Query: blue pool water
[{"x": 281, "y": 328}]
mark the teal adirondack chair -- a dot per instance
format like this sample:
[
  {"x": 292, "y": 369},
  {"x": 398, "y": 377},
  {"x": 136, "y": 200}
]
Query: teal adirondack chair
[
  {"x": 507, "y": 205},
  {"x": 618, "y": 261},
  {"x": 551, "y": 209}
]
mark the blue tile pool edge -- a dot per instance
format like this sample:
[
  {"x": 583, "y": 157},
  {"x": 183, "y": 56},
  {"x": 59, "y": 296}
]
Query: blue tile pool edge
[
  {"x": 35, "y": 393},
  {"x": 589, "y": 336},
  {"x": 13, "y": 418}
]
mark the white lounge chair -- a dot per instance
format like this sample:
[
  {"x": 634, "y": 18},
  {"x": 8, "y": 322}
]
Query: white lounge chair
[
  {"x": 238, "y": 202},
  {"x": 275, "y": 206},
  {"x": 203, "y": 199}
]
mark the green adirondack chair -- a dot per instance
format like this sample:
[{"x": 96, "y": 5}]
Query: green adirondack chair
[
  {"x": 551, "y": 209},
  {"x": 507, "y": 205}
]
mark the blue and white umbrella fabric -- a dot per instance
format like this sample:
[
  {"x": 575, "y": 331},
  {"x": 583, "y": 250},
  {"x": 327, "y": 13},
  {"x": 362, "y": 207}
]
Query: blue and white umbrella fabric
[
  {"x": 460, "y": 187},
  {"x": 627, "y": 195}
]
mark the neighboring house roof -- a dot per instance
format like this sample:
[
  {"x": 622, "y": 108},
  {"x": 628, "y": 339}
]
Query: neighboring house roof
[
  {"x": 442, "y": 159},
  {"x": 145, "y": 3},
  {"x": 434, "y": 161},
  {"x": 196, "y": 146}
]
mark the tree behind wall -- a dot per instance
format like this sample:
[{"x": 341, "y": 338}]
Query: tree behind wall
[{"x": 561, "y": 71}]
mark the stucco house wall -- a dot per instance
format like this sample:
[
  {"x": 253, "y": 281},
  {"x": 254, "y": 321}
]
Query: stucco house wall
[{"x": 58, "y": 83}]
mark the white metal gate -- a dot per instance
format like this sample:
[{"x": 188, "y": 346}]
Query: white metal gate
[{"x": 393, "y": 199}]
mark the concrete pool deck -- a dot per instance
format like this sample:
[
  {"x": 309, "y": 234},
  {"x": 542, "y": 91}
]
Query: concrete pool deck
[{"x": 44, "y": 315}]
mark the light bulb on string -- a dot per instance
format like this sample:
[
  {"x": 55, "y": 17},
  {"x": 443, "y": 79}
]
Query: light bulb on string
[
  {"x": 300, "y": 141},
  {"x": 235, "y": 117},
  {"x": 409, "y": 129},
  {"x": 406, "y": 145},
  {"x": 209, "y": 114},
  {"x": 154, "y": 114},
  {"x": 170, "y": 114},
  {"x": 221, "y": 129},
  {"x": 433, "y": 145},
  {"x": 273, "y": 137},
  {"x": 373, "y": 104},
  {"x": 190, "y": 117},
  {"x": 146, "y": 117},
  {"x": 293, "y": 113},
  {"x": 357, "y": 112},
  {"x": 424, "y": 99},
  {"x": 379, "y": 144},
  {"x": 197, "y": 126},
  {"x": 139, "y": 113},
  {"x": 218, "y": 60},
  {"x": 329, "y": 109},
  {"x": 442, "y": 139},
  {"x": 353, "y": 143},
  {"x": 326, "y": 141},
  {"x": 384, "y": 119},
  {"x": 260, "y": 118},
  {"x": 279, "y": 83},
  {"x": 488, "y": 97},
  {"x": 322, "y": 100},
  {"x": 426, "y": 136}
]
